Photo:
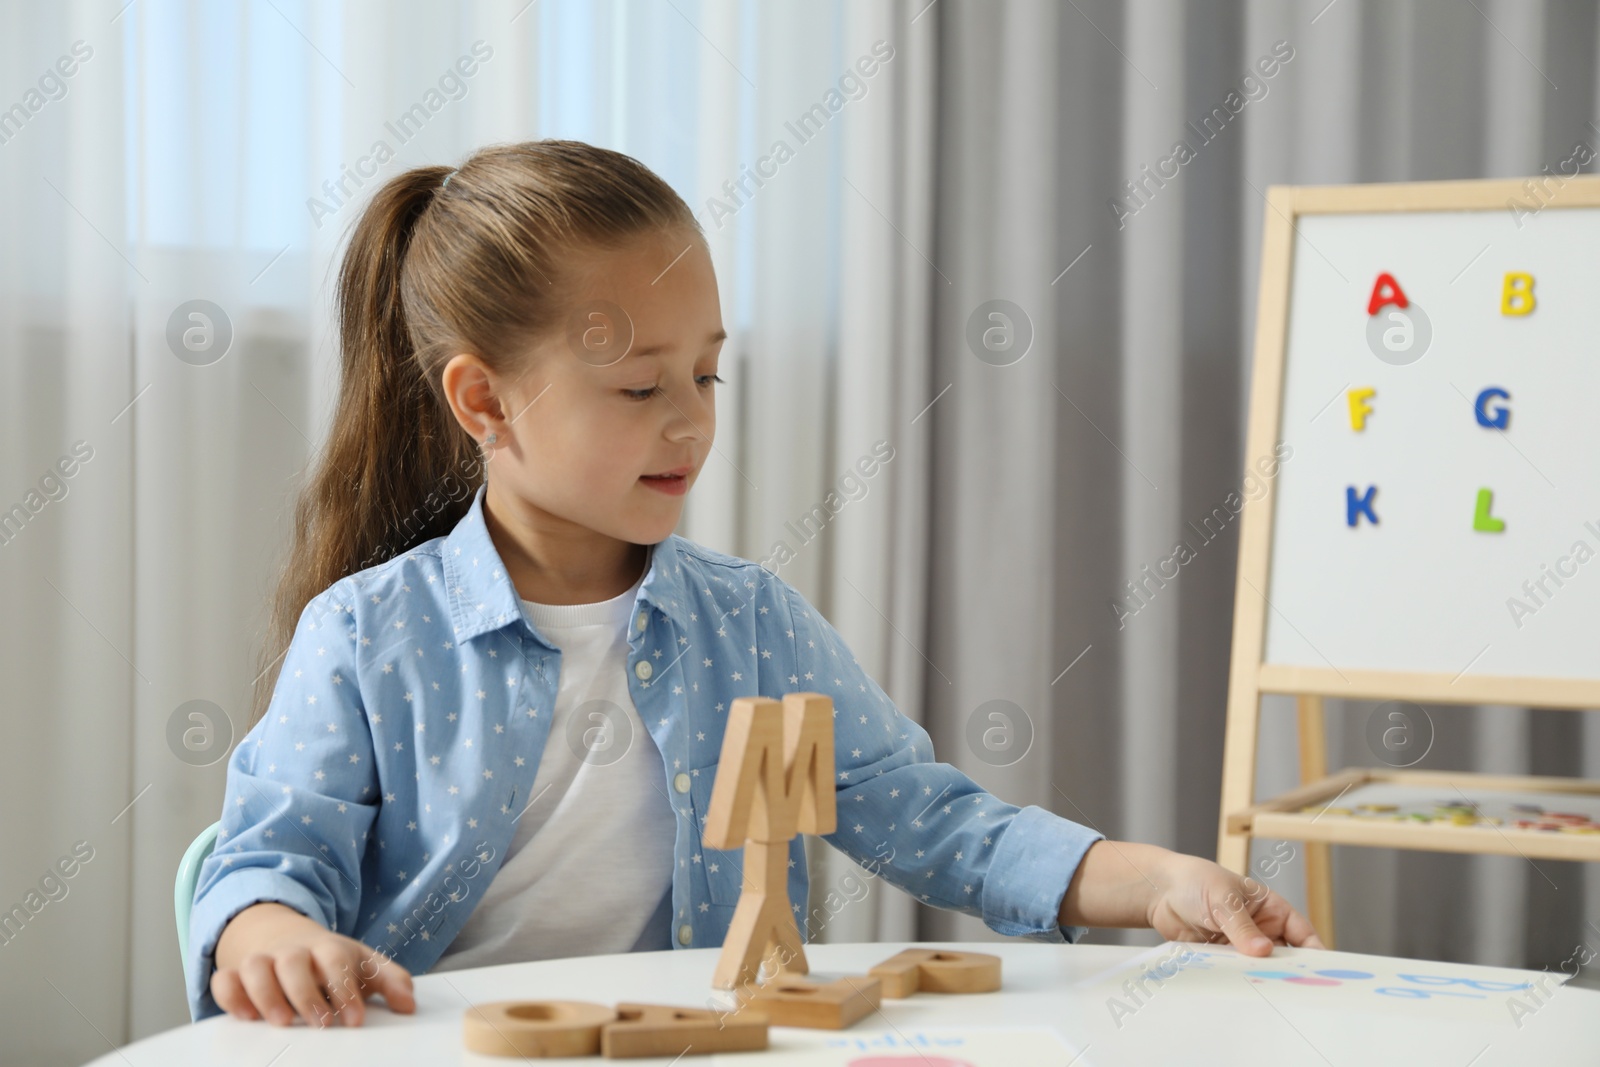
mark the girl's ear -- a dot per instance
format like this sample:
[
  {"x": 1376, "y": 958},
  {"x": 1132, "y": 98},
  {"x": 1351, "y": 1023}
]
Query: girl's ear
[{"x": 469, "y": 388}]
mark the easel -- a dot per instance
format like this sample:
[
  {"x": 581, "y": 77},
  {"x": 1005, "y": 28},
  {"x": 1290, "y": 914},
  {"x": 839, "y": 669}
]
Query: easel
[{"x": 1250, "y": 678}]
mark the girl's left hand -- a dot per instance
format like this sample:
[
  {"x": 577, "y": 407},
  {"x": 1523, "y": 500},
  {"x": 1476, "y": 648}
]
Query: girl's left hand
[{"x": 1197, "y": 900}]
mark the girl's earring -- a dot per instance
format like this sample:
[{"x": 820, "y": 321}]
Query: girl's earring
[{"x": 489, "y": 441}]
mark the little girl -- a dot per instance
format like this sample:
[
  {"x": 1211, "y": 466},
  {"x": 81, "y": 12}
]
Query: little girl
[{"x": 498, "y": 717}]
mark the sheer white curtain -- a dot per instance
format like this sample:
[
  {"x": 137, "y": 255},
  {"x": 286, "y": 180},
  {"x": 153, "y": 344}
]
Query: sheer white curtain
[{"x": 217, "y": 152}]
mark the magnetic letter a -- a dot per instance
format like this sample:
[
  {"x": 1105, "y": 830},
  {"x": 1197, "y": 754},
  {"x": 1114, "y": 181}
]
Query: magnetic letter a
[{"x": 1386, "y": 291}]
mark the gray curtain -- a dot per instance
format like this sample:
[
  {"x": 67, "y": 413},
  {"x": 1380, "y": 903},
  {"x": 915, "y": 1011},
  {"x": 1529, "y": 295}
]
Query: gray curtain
[{"x": 1056, "y": 477}]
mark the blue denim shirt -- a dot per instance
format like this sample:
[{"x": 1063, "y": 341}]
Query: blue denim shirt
[{"x": 378, "y": 792}]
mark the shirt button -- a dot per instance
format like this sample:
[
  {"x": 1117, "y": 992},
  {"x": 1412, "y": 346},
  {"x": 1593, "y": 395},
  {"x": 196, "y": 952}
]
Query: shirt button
[
  {"x": 642, "y": 669},
  {"x": 644, "y": 617},
  {"x": 685, "y": 934},
  {"x": 681, "y": 783}
]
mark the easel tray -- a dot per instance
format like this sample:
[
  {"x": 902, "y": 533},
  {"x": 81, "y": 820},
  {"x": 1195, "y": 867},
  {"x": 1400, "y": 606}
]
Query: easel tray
[{"x": 1535, "y": 817}]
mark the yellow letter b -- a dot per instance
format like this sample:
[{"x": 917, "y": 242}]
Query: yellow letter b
[{"x": 1516, "y": 296}]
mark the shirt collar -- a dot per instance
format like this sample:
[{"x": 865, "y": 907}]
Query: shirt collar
[{"x": 481, "y": 594}]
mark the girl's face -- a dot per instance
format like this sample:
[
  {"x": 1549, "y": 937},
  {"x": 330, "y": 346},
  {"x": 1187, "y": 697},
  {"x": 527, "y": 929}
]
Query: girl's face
[{"x": 623, "y": 394}]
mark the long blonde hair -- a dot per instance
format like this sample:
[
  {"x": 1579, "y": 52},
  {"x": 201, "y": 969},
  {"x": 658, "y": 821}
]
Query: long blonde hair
[{"x": 433, "y": 269}]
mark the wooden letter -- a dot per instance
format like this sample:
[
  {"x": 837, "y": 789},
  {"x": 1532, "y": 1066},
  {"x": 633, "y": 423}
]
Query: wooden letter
[
  {"x": 650, "y": 1030},
  {"x": 833, "y": 1006},
  {"x": 535, "y": 1029},
  {"x": 774, "y": 779},
  {"x": 937, "y": 971},
  {"x": 763, "y": 926},
  {"x": 767, "y": 779}
]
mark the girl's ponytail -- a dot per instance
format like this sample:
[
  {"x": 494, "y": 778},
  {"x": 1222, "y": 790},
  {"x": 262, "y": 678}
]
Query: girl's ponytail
[
  {"x": 398, "y": 469},
  {"x": 434, "y": 269},
  {"x": 389, "y": 444}
]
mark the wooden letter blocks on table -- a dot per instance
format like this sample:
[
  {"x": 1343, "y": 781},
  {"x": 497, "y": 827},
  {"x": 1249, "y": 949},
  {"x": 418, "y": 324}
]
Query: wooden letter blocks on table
[
  {"x": 650, "y": 1030},
  {"x": 774, "y": 780},
  {"x": 790, "y": 1001},
  {"x": 937, "y": 971},
  {"x": 534, "y": 1029}
]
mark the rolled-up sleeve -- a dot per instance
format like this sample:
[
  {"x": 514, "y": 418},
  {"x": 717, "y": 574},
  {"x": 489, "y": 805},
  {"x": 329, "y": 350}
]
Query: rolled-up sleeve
[
  {"x": 925, "y": 826},
  {"x": 302, "y": 793}
]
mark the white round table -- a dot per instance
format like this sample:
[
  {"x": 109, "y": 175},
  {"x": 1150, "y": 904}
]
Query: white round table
[{"x": 1066, "y": 988}]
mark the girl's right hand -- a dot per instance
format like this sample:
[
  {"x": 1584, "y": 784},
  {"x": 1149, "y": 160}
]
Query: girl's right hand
[{"x": 273, "y": 961}]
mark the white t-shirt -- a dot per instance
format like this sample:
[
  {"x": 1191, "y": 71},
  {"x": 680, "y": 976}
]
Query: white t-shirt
[{"x": 589, "y": 866}]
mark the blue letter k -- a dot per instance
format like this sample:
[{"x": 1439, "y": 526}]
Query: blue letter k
[{"x": 1356, "y": 505}]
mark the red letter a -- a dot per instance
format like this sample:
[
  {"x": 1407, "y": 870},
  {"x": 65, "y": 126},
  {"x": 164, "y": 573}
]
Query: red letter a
[{"x": 1386, "y": 291}]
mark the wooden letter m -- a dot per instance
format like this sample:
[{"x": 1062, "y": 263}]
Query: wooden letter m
[{"x": 774, "y": 779}]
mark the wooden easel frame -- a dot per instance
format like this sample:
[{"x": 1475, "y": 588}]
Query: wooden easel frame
[{"x": 1250, "y": 678}]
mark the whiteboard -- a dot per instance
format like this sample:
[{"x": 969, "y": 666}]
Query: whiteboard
[{"x": 1423, "y": 591}]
